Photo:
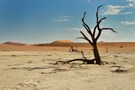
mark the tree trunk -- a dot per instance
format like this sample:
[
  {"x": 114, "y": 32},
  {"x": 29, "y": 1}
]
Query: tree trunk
[{"x": 96, "y": 54}]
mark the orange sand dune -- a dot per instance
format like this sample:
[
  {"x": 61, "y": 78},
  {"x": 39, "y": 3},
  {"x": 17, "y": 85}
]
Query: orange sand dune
[
  {"x": 64, "y": 46},
  {"x": 62, "y": 41}
]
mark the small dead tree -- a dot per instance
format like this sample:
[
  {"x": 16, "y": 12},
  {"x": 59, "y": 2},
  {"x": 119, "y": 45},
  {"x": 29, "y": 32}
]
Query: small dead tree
[
  {"x": 72, "y": 49},
  {"x": 95, "y": 34}
]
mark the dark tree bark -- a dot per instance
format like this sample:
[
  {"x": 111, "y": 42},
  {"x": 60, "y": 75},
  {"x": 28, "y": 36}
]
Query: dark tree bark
[
  {"x": 96, "y": 54},
  {"x": 93, "y": 36}
]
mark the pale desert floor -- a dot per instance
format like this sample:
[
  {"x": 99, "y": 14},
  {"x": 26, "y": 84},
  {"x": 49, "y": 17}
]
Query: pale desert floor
[{"x": 34, "y": 70}]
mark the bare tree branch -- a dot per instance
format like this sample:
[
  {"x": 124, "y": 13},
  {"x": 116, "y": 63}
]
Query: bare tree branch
[
  {"x": 109, "y": 29},
  {"x": 97, "y": 26},
  {"x": 102, "y": 30},
  {"x": 97, "y": 13},
  {"x": 85, "y": 37},
  {"x": 98, "y": 23},
  {"x": 101, "y": 20},
  {"x": 83, "y": 55},
  {"x": 99, "y": 33},
  {"x": 86, "y": 26}
]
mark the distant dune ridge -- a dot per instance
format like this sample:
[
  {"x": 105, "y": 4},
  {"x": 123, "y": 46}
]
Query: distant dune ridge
[
  {"x": 61, "y": 44},
  {"x": 14, "y": 43},
  {"x": 63, "y": 41},
  {"x": 58, "y": 43},
  {"x": 67, "y": 43}
]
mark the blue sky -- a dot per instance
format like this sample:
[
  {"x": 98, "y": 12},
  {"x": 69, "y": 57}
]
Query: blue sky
[{"x": 42, "y": 21}]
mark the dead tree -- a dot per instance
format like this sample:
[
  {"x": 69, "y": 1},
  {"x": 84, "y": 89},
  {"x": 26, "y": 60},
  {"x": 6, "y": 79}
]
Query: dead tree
[{"x": 94, "y": 34}]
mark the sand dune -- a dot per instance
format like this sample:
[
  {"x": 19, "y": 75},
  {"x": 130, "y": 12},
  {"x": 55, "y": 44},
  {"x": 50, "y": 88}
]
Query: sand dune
[
  {"x": 14, "y": 43},
  {"x": 62, "y": 41},
  {"x": 64, "y": 46}
]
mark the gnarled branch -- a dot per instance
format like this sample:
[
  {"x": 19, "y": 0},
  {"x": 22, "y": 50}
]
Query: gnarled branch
[
  {"x": 85, "y": 37},
  {"x": 98, "y": 23},
  {"x": 85, "y": 60},
  {"x": 86, "y": 26},
  {"x": 97, "y": 13},
  {"x": 99, "y": 33},
  {"x": 97, "y": 26},
  {"x": 109, "y": 29}
]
